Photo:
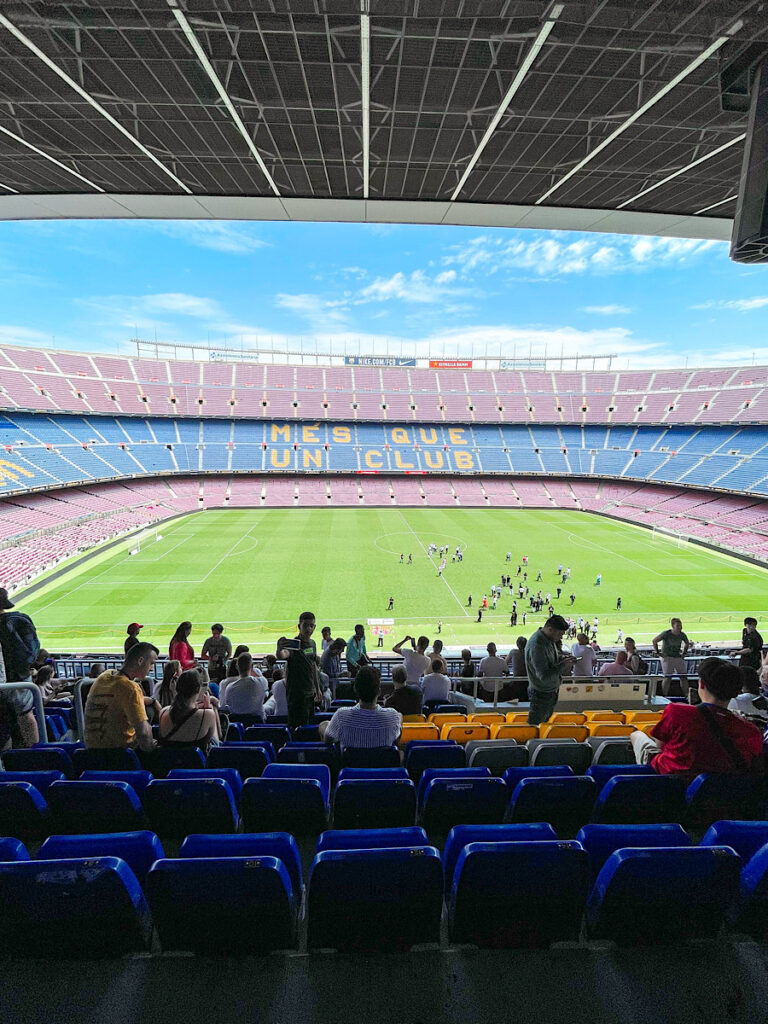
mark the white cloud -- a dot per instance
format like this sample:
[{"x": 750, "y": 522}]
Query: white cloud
[
  {"x": 415, "y": 287},
  {"x": 180, "y": 303},
  {"x": 321, "y": 314},
  {"x": 222, "y": 236},
  {"x": 607, "y": 310},
  {"x": 742, "y": 305}
]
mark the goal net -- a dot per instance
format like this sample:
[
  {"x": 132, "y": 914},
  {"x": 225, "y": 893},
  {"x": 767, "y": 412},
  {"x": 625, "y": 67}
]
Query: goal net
[{"x": 663, "y": 536}]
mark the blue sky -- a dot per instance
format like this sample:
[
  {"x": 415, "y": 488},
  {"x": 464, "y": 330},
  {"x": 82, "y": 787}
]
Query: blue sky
[{"x": 439, "y": 291}]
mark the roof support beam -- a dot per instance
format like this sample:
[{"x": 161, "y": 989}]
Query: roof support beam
[
  {"x": 60, "y": 73},
  {"x": 517, "y": 81},
  {"x": 365, "y": 90},
  {"x": 51, "y": 159}
]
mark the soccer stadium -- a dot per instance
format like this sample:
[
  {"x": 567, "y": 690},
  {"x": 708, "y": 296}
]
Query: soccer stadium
[{"x": 320, "y": 662}]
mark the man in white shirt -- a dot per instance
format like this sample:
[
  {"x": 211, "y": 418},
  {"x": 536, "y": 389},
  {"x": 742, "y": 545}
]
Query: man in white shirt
[
  {"x": 492, "y": 665},
  {"x": 415, "y": 660},
  {"x": 245, "y": 693},
  {"x": 435, "y": 685},
  {"x": 586, "y": 657},
  {"x": 366, "y": 725},
  {"x": 278, "y": 702}
]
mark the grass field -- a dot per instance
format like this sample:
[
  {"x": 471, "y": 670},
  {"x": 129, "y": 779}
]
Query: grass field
[{"x": 255, "y": 570}]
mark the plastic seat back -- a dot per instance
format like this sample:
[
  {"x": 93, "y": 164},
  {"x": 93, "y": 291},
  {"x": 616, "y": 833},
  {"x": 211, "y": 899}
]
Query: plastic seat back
[
  {"x": 600, "y": 841},
  {"x": 611, "y": 751},
  {"x": 302, "y": 733},
  {"x": 568, "y": 718},
  {"x": 448, "y": 756},
  {"x": 163, "y": 759},
  {"x": 298, "y": 806},
  {"x": 519, "y": 733},
  {"x": 40, "y": 780},
  {"x": 577, "y": 756},
  {"x": 138, "y": 780},
  {"x": 248, "y": 762},
  {"x": 246, "y": 904},
  {"x": 642, "y": 717},
  {"x": 277, "y": 735},
  {"x": 448, "y": 773},
  {"x": 84, "y": 807},
  {"x": 372, "y": 839},
  {"x": 518, "y": 894},
  {"x": 447, "y": 718},
  {"x": 176, "y": 807},
  {"x": 105, "y": 759},
  {"x": 342, "y": 704},
  {"x": 514, "y": 774},
  {"x": 616, "y": 717},
  {"x": 375, "y": 900},
  {"x": 497, "y": 755},
  {"x": 13, "y": 849},
  {"x": 610, "y": 729},
  {"x": 711, "y": 798},
  {"x": 230, "y": 775},
  {"x": 386, "y": 803},
  {"x": 265, "y": 745},
  {"x": 92, "y": 907},
  {"x": 464, "y": 733},
  {"x": 371, "y": 757},
  {"x": 449, "y": 709},
  {"x": 372, "y": 773},
  {"x": 37, "y": 759},
  {"x": 415, "y": 731},
  {"x": 24, "y": 812},
  {"x": 449, "y": 802},
  {"x": 640, "y": 800},
  {"x": 745, "y": 837},
  {"x": 682, "y": 893},
  {"x": 565, "y": 802},
  {"x": 310, "y": 753},
  {"x": 462, "y": 835},
  {"x": 750, "y": 911},
  {"x": 249, "y": 844},
  {"x": 603, "y": 773},
  {"x": 487, "y": 718},
  {"x": 139, "y": 850},
  {"x": 564, "y": 732},
  {"x": 320, "y": 772},
  {"x": 517, "y": 718}
]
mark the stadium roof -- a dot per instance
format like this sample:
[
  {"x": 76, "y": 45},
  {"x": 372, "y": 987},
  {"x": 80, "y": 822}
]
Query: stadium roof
[{"x": 605, "y": 116}]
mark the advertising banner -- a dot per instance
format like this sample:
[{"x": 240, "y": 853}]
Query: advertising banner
[
  {"x": 450, "y": 364},
  {"x": 378, "y": 361}
]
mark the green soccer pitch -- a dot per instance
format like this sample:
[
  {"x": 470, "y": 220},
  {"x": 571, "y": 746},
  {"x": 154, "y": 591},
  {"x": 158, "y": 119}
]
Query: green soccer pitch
[{"x": 254, "y": 570}]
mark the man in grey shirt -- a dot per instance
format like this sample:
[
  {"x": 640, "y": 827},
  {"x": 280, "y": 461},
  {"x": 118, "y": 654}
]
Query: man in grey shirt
[{"x": 545, "y": 663}]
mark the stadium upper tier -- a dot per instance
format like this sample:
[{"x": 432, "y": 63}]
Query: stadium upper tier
[
  {"x": 42, "y": 451},
  {"x": 51, "y": 381}
]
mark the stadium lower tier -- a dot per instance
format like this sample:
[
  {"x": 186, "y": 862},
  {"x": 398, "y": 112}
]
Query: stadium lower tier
[
  {"x": 40, "y": 530},
  {"x": 44, "y": 451}
]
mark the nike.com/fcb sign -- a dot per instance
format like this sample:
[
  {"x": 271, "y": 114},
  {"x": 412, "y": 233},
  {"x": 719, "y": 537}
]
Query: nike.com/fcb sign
[{"x": 378, "y": 361}]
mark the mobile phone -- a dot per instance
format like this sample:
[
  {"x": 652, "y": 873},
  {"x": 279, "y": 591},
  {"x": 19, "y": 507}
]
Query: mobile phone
[{"x": 289, "y": 645}]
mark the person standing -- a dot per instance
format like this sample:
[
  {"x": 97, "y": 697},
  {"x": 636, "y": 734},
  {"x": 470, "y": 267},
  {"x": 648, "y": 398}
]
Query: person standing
[
  {"x": 180, "y": 649},
  {"x": 751, "y": 653},
  {"x": 325, "y": 633},
  {"x": 415, "y": 660},
  {"x": 216, "y": 650},
  {"x": 19, "y": 647},
  {"x": 302, "y": 685},
  {"x": 391, "y": 605},
  {"x": 618, "y": 604},
  {"x": 357, "y": 655},
  {"x": 469, "y": 601},
  {"x": 674, "y": 647},
  {"x": 330, "y": 663},
  {"x": 544, "y": 663},
  {"x": 439, "y": 626},
  {"x": 133, "y": 636},
  {"x": 584, "y": 657}
]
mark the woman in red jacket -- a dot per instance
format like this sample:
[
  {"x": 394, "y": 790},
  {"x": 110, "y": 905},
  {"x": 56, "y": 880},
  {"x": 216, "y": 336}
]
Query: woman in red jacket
[{"x": 179, "y": 649}]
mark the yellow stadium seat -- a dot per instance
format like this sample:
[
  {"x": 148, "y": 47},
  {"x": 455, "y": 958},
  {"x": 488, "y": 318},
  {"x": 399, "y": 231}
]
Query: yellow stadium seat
[
  {"x": 646, "y": 727},
  {"x": 609, "y": 729},
  {"x": 517, "y": 718},
  {"x": 604, "y": 716},
  {"x": 518, "y": 732},
  {"x": 414, "y": 718},
  {"x": 488, "y": 718},
  {"x": 567, "y": 718},
  {"x": 464, "y": 733},
  {"x": 563, "y": 732},
  {"x": 638, "y": 717},
  {"x": 446, "y": 719},
  {"x": 418, "y": 731}
]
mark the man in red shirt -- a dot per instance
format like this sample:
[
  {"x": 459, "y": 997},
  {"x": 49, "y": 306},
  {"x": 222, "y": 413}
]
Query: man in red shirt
[{"x": 704, "y": 738}]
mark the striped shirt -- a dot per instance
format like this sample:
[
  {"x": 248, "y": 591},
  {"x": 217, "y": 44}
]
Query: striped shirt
[{"x": 359, "y": 727}]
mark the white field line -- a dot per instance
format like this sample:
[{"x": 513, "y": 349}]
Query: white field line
[{"x": 421, "y": 545}]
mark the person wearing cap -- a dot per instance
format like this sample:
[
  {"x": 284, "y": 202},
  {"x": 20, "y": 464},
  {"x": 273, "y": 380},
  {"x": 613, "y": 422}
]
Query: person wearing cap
[
  {"x": 133, "y": 636},
  {"x": 19, "y": 648},
  {"x": 216, "y": 650},
  {"x": 545, "y": 663}
]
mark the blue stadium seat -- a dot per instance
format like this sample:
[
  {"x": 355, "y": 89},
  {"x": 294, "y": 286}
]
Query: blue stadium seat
[
  {"x": 374, "y": 803},
  {"x": 92, "y": 907},
  {"x": 310, "y": 753},
  {"x": 372, "y": 839},
  {"x": 711, "y": 798},
  {"x": 462, "y": 835},
  {"x": 514, "y": 775},
  {"x": 139, "y": 850},
  {"x": 433, "y": 755},
  {"x": 449, "y": 802},
  {"x": 266, "y": 745},
  {"x": 163, "y": 759},
  {"x": 322, "y": 716},
  {"x": 320, "y": 772},
  {"x": 277, "y": 735},
  {"x": 375, "y": 900},
  {"x": 79, "y": 807},
  {"x": 40, "y": 780},
  {"x": 234, "y": 733},
  {"x": 223, "y": 905},
  {"x": 38, "y": 759},
  {"x": 640, "y": 800},
  {"x": 663, "y": 895},
  {"x": 305, "y": 734},
  {"x": 578, "y": 756},
  {"x": 600, "y": 841},
  {"x": 749, "y": 912},
  {"x": 498, "y": 755},
  {"x": 24, "y": 812},
  {"x": 230, "y": 775},
  {"x": 448, "y": 773},
  {"x": 450, "y": 709},
  {"x": 107, "y": 759},
  {"x": 603, "y": 773},
  {"x": 343, "y": 704},
  {"x": 372, "y": 773},
  {"x": 248, "y": 762},
  {"x": 566, "y": 802},
  {"x": 373, "y": 757},
  {"x": 138, "y": 779},
  {"x": 177, "y": 807},
  {"x": 284, "y": 805},
  {"x": 69, "y": 746},
  {"x": 249, "y": 844},
  {"x": 13, "y": 849},
  {"x": 518, "y": 894},
  {"x": 745, "y": 837}
]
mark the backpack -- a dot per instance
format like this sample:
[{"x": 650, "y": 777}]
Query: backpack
[
  {"x": 642, "y": 667},
  {"x": 18, "y": 639}
]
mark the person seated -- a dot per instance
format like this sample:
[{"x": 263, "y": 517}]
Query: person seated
[
  {"x": 165, "y": 690},
  {"x": 406, "y": 698},
  {"x": 278, "y": 702},
  {"x": 435, "y": 686},
  {"x": 330, "y": 662},
  {"x": 245, "y": 694},
  {"x": 750, "y": 703},
  {"x": 191, "y": 721},
  {"x": 706, "y": 737},
  {"x": 115, "y": 711},
  {"x": 51, "y": 688},
  {"x": 436, "y": 654},
  {"x": 617, "y": 667},
  {"x": 366, "y": 725},
  {"x": 493, "y": 666}
]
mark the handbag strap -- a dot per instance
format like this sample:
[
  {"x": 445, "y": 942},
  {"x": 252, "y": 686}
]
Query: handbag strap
[
  {"x": 178, "y": 725},
  {"x": 723, "y": 738}
]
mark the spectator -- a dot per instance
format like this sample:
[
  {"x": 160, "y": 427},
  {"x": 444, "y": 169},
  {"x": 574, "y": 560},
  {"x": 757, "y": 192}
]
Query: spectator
[
  {"x": 325, "y": 633},
  {"x": 96, "y": 669},
  {"x": 19, "y": 647},
  {"x": 437, "y": 653},
  {"x": 435, "y": 686},
  {"x": 750, "y": 702},
  {"x": 330, "y": 662},
  {"x": 277, "y": 703},
  {"x": 491, "y": 667},
  {"x": 356, "y": 653},
  {"x": 245, "y": 649},
  {"x": 617, "y": 667},
  {"x": 706, "y": 737},
  {"x": 301, "y": 680},
  {"x": 133, "y": 636},
  {"x": 406, "y": 698},
  {"x": 179, "y": 648},
  {"x": 216, "y": 649},
  {"x": 516, "y": 659},
  {"x": 415, "y": 660},
  {"x": 467, "y": 667},
  {"x": 50, "y": 687},
  {"x": 545, "y": 663},
  {"x": 115, "y": 711},
  {"x": 584, "y": 657},
  {"x": 270, "y": 661},
  {"x": 636, "y": 665},
  {"x": 165, "y": 690},
  {"x": 674, "y": 646},
  {"x": 245, "y": 695},
  {"x": 190, "y": 721},
  {"x": 751, "y": 653},
  {"x": 366, "y": 725}
]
